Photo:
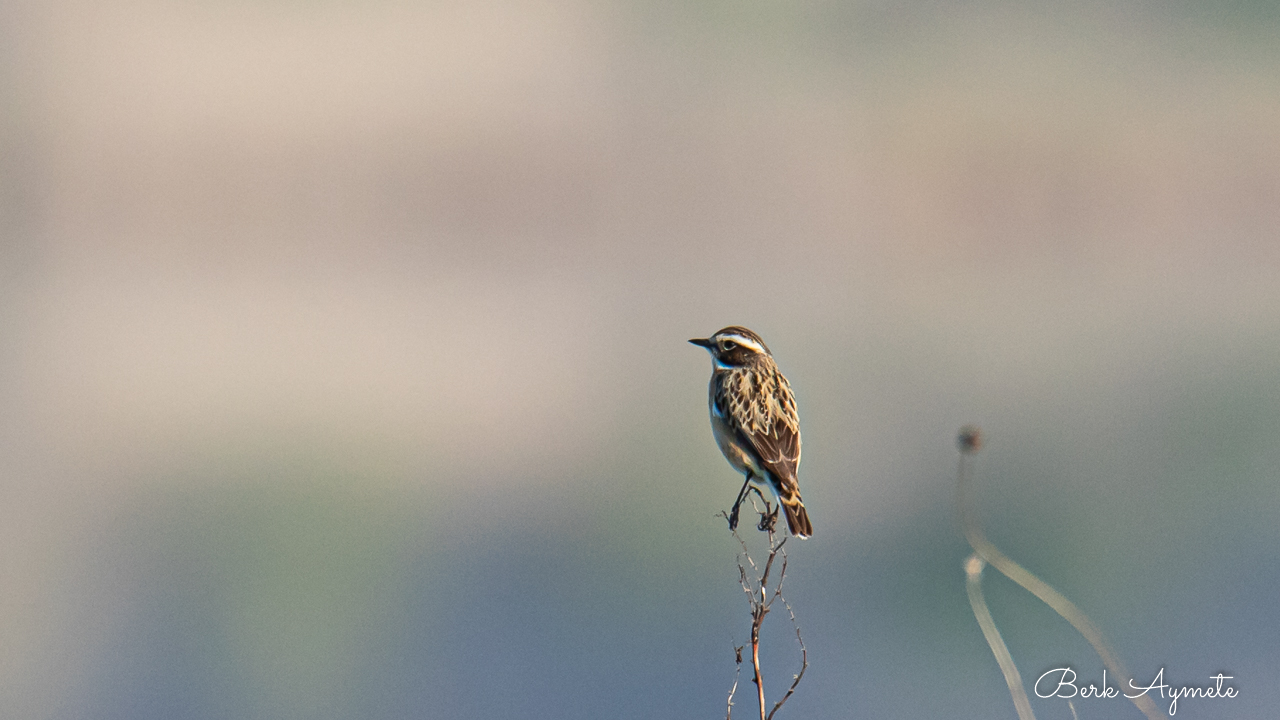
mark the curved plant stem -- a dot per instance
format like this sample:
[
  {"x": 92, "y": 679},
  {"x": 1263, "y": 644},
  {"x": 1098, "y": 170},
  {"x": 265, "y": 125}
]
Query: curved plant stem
[
  {"x": 973, "y": 581},
  {"x": 1034, "y": 585}
]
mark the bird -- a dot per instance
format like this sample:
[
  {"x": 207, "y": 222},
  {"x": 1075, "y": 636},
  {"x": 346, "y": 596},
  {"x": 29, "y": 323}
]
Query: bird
[{"x": 754, "y": 420}]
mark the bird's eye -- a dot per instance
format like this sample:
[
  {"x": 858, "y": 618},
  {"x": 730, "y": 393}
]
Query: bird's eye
[{"x": 727, "y": 345}]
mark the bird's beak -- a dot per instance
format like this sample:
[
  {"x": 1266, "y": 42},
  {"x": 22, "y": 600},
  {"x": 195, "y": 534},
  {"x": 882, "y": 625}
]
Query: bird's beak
[{"x": 703, "y": 342}]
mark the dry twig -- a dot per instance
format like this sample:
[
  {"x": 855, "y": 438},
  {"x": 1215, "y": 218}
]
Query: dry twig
[
  {"x": 737, "y": 660},
  {"x": 760, "y": 598}
]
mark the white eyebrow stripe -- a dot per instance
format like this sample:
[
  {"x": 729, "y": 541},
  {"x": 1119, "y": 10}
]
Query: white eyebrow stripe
[{"x": 744, "y": 341}]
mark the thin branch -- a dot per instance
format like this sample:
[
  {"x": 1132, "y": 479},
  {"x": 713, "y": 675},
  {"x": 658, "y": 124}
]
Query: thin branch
[
  {"x": 970, "y": 442},
  {"x": 804, "y": 653},
  {"x": 760, "y": 599},
  {"x": 757, "y": 617},
  {"x": 768, "y": 566},
  {"x": 973, "y": 581},
  {"x": 782, "y": 575},
  {"x": 737, "y": 655}
]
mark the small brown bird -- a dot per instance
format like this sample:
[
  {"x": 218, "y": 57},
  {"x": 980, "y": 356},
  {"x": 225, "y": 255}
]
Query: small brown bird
[{"x": 754, "y": 419}]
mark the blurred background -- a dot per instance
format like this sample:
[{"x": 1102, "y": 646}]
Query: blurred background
[{"x": 344, "y": 374}]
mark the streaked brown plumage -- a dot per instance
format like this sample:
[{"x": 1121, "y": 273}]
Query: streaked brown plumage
[{"x": 754, "y": 419}]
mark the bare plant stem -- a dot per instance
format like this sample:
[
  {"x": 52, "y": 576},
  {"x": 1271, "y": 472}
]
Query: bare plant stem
[
  {"x": 760, "y": 598},
  {"x": 973, "y": 582},
  {"x": 728, "y": 710},
  {"x": 1034, "y": 585},
  {"x": 804, "y": 655},
  {"x": 755, "y": 661}
]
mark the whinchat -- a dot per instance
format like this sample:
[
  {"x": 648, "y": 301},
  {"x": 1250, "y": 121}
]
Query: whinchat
[{"x": 754, "y": 419}]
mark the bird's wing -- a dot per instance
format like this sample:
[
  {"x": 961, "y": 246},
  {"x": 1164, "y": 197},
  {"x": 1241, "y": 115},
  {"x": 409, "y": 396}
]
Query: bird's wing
[
  {"x": 778, "y": 451},
  {"x": 776, "y": 443}
]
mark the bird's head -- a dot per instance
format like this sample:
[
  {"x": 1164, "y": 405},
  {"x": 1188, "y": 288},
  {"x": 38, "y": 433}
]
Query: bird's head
[{"x": 734, "y": 347}]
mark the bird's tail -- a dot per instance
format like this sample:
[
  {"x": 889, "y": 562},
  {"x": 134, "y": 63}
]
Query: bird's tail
[{"x": 797, "y": 517}]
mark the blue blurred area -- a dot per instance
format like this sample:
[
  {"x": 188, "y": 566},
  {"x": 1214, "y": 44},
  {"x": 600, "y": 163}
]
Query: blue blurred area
[{"x": 314, "y": 597}]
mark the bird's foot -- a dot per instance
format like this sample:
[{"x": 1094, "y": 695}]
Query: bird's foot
[{"x": 768, "y": 519}]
